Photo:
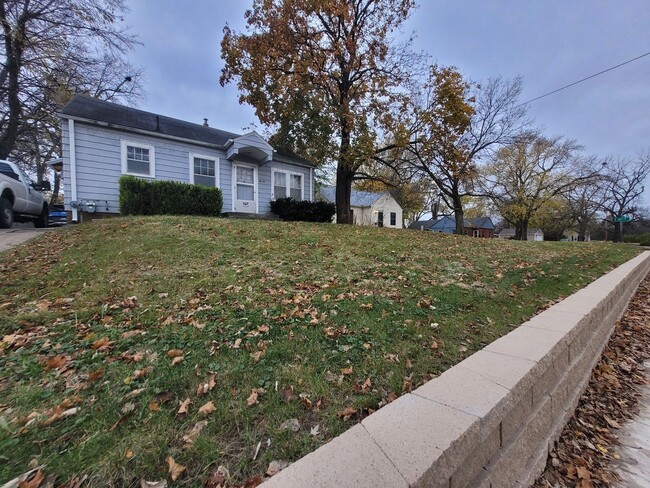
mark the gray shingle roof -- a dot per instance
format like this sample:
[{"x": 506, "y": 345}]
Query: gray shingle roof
[
  {"x": 111, "y": 113},
  {"x": 358, "y": 198}
]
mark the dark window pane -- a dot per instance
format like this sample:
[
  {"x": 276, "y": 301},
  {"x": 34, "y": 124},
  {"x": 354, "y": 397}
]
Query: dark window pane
[
  {"x": 137, "y": 167},
  {"x": 205, "y": 180}
]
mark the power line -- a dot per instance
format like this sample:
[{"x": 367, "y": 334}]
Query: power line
[{"x": 584, "y": 79}]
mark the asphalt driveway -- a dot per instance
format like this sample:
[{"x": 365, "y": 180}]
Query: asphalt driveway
[{"x": 12, "y": 237}]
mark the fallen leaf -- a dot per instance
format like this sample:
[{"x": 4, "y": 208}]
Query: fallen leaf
[
  {"x": 315, "y": 430},
  {"x": 56, "y": 362},
  {"x": 129, "y": 454},
  {"x": 253, "y": 482},
  {"x": 193, "y": 434},
  {"x": 583, "y": 473},
  {"x": 347, "y": 412},
  {"x": 174, "y": 353},
  {"x": 207, "y": 409},
  {"x": 128, "y": 408},
  {"x": 35, "y": 482},
  {"x": 164, "y": 397},
  {"x": 153, "y": 484},
  {"x": 131, "y": 333},
  {"x": 141, "y": 373},
  {"x": 276, "y": 466},
  {"x": 177, "y": 360},
  {"x": 257, "y": 355},
  {"x": 252, "y": 399},
  {"x": 184, "y": 405},
  {"x": 287, "y": 393},
  {"x": 202, "y": 389},
  {"x": 101, "y": 344},
  {"x": 217, "y": 478},
  {"x": 434, "y": 345},
  {"x": 346, "y": 371},
  {"x": 175, "y": 469},
  {"x": 292, "y": 424},
  {"x": 153, "y": 406},
  {"x": 95, "y": 375},
  {"x": 133, "y": 393}
]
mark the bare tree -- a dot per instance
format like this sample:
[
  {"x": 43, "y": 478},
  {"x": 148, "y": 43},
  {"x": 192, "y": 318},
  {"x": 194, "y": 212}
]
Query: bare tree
[
  {"x": 584, "y": 201},
  {"x": 457, "y": 125},
  {"x": 623, "y": 188},
  {"x": 44, "y": 40}
]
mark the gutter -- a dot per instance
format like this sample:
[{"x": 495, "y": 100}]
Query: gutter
[{"x": 160, "y": 135}]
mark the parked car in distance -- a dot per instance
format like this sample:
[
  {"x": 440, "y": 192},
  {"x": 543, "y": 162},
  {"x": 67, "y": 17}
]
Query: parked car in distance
[
  {"x": 21, "y": 199},
  {"x": 58, "y": 216}
]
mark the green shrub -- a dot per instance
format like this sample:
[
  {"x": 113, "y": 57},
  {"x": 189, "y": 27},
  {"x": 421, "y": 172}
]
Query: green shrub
[
  {"x": 142, "y": 197},
  {"x": 640, "y": 238},
  {"x": 306, "y": 211}
]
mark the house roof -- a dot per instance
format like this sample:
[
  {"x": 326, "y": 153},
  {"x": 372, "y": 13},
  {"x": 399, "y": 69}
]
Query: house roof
[
  {"x": 90, "y": 108},
  {"x": 358, "y": 198},
  {"x": 446, "y": 221},
  {"x": 480, "y": 223}
]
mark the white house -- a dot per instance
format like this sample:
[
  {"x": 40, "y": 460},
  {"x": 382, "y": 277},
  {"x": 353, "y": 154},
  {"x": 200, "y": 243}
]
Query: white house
[
  {"x": 102, "y": 141},
  {"x": 369, "y": 208},
  {"x": 533, "y": 234}
]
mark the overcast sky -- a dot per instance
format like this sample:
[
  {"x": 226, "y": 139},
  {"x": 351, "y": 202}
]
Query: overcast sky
[{"x": 549, "y": 43}]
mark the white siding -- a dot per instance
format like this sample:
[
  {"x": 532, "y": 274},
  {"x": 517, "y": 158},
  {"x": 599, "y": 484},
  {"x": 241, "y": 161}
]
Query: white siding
[
  {"x": 99, "y": 166},
  {"x": 387, "y": 204}
]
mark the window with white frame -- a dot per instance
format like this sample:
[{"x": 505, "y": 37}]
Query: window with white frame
[
  {"x": 138, "y": 159},
  {"x": 287, "y": 184},
  {"x": 204, "y": 171}
]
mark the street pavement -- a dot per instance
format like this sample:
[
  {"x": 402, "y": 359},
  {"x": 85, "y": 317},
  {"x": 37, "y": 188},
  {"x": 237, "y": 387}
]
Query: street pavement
[
  {"x": 10, "y": 238},
  {"x": 634, "y": 465}
]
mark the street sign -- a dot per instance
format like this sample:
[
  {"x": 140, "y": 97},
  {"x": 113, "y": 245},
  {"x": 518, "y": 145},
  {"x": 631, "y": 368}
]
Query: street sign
[{"x": 625, "y": 218}]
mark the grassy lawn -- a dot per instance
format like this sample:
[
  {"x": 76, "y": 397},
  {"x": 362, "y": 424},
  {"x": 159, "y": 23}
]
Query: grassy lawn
[{"x": 128, "y": 342}]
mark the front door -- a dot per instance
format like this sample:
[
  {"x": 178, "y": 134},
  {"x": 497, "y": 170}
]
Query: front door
[{"x": 245, "y": 188}]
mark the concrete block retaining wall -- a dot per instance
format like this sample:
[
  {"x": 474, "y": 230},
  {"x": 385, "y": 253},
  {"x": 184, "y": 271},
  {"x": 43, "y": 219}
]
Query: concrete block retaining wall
[{"x": 490, "y": 420}]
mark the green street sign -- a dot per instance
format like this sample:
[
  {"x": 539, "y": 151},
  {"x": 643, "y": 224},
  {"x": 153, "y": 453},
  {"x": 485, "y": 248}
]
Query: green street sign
[{"x": 625, "y": 218}]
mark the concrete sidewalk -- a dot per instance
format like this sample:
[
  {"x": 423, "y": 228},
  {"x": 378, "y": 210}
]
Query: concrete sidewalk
[
  {"x": 10, "y": 238},
  {"x": 634, "y": 465}
]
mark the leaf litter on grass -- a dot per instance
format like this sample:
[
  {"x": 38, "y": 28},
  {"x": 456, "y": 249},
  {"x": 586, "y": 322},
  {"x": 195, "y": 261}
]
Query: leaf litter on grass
[{"x": 285, "y": 327}]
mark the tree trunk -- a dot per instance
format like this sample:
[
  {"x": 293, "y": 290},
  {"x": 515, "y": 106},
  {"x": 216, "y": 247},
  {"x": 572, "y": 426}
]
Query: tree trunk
[
  {"x": 459, "y": 215},
  {"x": 13, "y": 54},
  {"x": 521, "y": 230},
  {"x": 56, "y": 189},
  {"x": 582, "y": 232},
  {"x": 344, "y": 178},
  {"x": 345, "y": 169},
  {"x": 618, "y": 231}
]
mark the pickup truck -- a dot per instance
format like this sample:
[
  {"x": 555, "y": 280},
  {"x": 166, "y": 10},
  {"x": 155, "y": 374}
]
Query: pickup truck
[{"x": 21, "y": 200}]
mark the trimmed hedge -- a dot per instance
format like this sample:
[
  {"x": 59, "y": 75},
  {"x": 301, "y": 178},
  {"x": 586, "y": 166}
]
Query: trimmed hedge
[
  {"x": 158, "y": 197},
  {"x": 306, "y": 211}
]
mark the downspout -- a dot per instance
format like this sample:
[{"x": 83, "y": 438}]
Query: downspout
[
  {"x": 311, "y": 183},
  {"x": 73, "y": 170}
]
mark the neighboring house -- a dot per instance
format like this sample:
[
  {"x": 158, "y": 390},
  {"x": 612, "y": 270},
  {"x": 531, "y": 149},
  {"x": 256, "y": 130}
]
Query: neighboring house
[
  {"x": 480, "y": 227},
  {"x": 533, "y": 235},
  {"x": 369, "y": 208},
  {"x": 103, "y": 141}
]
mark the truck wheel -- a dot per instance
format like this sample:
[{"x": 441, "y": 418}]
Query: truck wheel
[
  {"x": 6, "y": 213},
  {"x": 41, "y": 221}
]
